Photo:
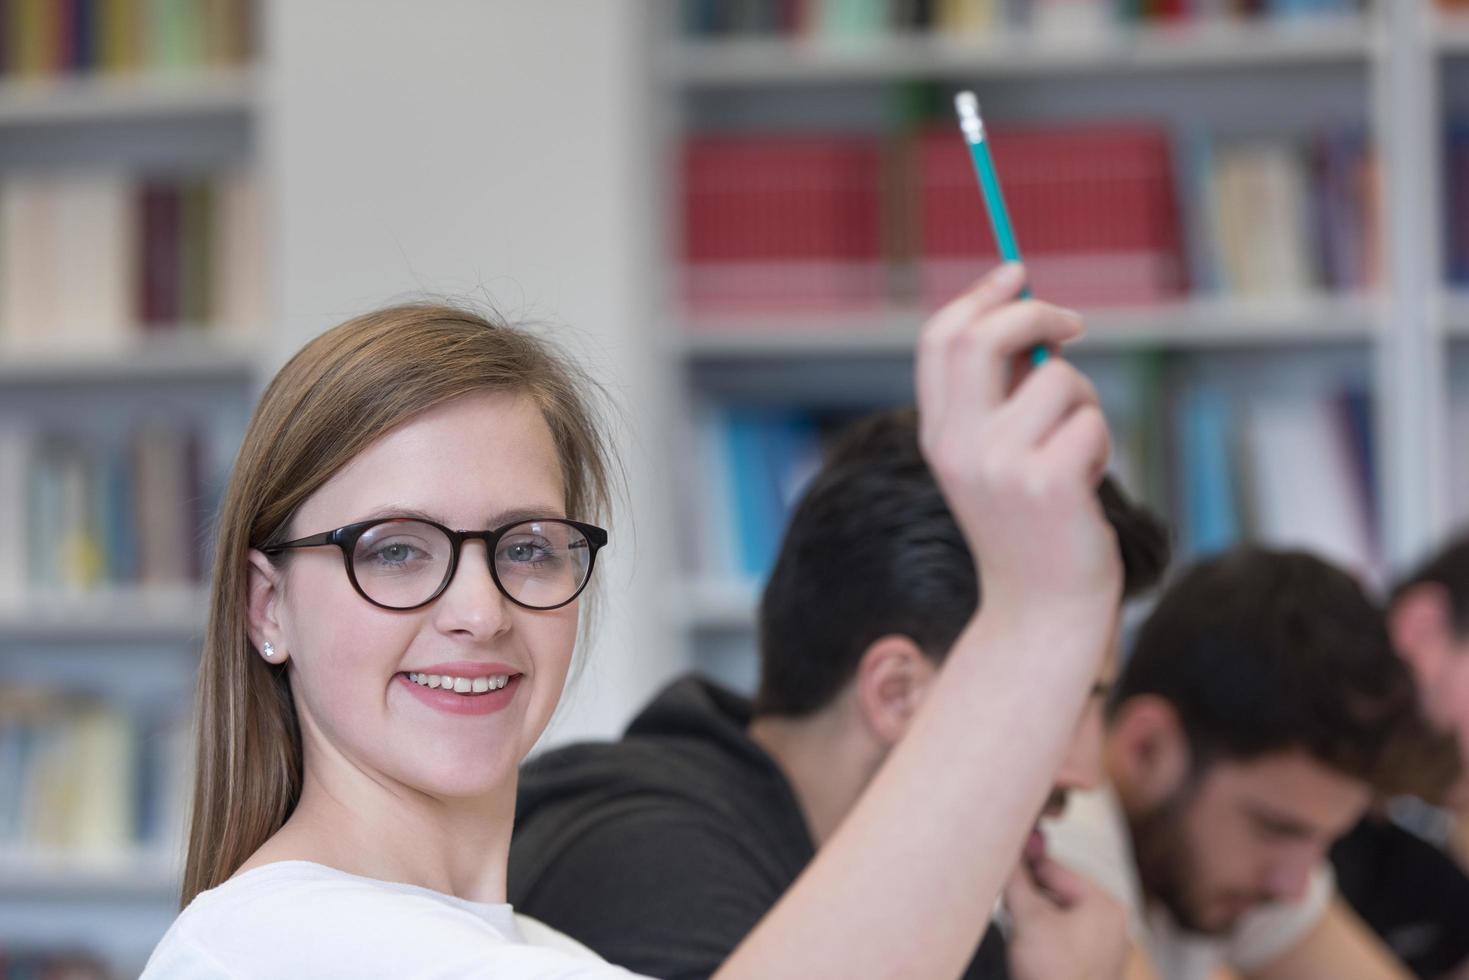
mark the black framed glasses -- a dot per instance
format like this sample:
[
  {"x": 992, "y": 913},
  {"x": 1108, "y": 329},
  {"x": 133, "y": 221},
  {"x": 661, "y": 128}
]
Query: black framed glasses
[{"x": 407, "y": 562}]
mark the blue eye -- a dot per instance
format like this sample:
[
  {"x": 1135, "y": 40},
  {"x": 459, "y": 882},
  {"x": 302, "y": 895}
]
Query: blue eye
[
  {"x": 396, "y": 554},
  {"x": 525, "y": 551}
]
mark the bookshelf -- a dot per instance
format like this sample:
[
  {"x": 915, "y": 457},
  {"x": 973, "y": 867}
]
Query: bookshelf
[
  {"x": 216, "y": 93},
  {"x": 1196, "y": 325},
  {"x": 1355, "y": 70},
  {"x": 96, "y": 668},
  {"x": 131, "y": 362},
  {"x": 1010, "y": 52},
  {"x": 122, "y": 614},
  {"x": 138, "y": 876}
]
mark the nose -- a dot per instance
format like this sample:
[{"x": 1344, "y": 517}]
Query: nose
[
  {"x": 472, "y": 604},
  {"x": 1289, "y": 878}
]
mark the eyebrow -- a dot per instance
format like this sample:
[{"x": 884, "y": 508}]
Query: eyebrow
[
  {"x": 1279, "y": 824},
  {"x": 496, "y": 520}
]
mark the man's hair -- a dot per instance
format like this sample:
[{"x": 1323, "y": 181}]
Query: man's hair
[
  {"x": 1263, "y": 651},
  {"x": 1450, "y": 569},
  {"x": 872, "y": 550}
]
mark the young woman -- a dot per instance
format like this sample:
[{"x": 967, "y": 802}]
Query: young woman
[{"x": 402, "y": 550}]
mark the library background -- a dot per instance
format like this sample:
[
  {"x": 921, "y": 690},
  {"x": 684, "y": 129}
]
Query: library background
[{"x": 738, "y": 213}]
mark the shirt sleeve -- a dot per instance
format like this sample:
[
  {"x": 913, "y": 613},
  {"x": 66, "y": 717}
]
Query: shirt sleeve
[
  {"x": 1266, "y": 934},
  {"x": 1091, "y": 838},
  {"x": 663, "y": 894}
]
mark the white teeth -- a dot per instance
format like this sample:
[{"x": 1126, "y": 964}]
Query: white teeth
[{"x": 461, "y": 685}]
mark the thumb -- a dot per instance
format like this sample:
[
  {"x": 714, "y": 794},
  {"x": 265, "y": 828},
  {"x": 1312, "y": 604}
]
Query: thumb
[
  {"x": 1066, "y": 887},
  {"x": 1024, "y": 898}
]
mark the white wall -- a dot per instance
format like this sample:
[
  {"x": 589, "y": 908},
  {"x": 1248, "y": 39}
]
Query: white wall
[{"x": 488, "y": 149}]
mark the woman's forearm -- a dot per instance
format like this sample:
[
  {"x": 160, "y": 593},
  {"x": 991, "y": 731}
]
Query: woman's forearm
[{"x": 906, "y": 885}]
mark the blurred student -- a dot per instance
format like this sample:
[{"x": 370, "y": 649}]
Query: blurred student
[
  {"x": 1406, "y": 877},
  {"x": 663, "y": 850},
  {"x": 1261, "y": 710}
]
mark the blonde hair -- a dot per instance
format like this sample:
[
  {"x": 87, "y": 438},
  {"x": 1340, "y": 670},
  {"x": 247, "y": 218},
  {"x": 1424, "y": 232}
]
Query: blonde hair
[{"x": 340, "y": 393}]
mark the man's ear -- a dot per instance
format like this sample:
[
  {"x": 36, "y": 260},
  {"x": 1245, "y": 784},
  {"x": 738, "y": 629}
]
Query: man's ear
[
  {"x": 1422, "y": 629},
  {"x": 264, "y": 591},
  {"x": 1147, "y": 750},
  {"x": 893, "y": 676}
]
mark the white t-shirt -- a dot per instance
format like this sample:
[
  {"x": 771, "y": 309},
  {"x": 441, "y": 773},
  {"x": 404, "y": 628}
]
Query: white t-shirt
[
  {"x": 301, "y": 919},
  {"x": 1093, "y": 839}
]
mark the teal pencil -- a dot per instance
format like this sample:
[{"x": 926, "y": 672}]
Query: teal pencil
[{"x": 967, "y": 105}]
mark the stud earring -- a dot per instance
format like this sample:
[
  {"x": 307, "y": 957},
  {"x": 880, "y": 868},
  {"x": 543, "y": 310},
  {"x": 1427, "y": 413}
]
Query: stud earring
[{"x": 268, "y": 651}]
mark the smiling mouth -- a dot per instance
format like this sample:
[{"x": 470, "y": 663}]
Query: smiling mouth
[{"x": 469, "y": 686}]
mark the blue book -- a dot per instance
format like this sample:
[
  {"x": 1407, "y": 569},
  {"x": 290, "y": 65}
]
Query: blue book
[
  {"x": 120, "y": 525},
  {"x": 1458, "y": 198},
  {"x": 1210, "y": 511},
  {"x": 86, "y": 35},
  {"x": 752, "y": 497},
  {"x": 1354, "y": 408},
  {"x": 1206, "y": 269}
]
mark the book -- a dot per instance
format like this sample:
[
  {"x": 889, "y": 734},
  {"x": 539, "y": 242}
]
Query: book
[
  {"x": 196, "y": 246},
  {"x": 236, "y": 268},
  {"x": 47, "y": 38},
  {"x": 15, "y": 462},
  {"x": 1259, "y": 197},
  {"x": 1093, "y": 207},
  {"x": 108, "y": 509},
  {"x": 28, "y": 282},
  {"x": 81, "y": 773},
  {"x": 159, "y": 245},
  {"x": 1306, "y": 488},
  {"x": 1210, "y": 519},
  {"x": 843, "y": 20},
  {"x": 782, "y": 222},
  {"x": 90, "y": 266},
  {"x": 165, "y": 532}
]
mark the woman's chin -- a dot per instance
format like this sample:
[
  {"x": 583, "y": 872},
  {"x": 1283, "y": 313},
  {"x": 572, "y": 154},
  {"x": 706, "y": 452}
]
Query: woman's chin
[{"x": 488, "y": 775}]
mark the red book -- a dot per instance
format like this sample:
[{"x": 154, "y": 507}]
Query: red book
[
  {"x": 63, "y": 35},
  {"x": 1093, "y": 208},
  {"x": 160, "y": 246},
  {"x": 782, "y": 222}
]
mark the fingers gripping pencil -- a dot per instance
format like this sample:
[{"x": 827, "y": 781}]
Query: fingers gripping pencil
[{"x": 967, "y": 105}]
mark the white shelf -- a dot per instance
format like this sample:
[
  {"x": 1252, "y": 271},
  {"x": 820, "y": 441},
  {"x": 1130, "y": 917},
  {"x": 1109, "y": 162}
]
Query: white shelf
[
  {"x": 1200, "y": 324},
  {"x": 113, "y": 614},
  {"x": 175, "y": 355},
  {"x": 74, "y": 100},
  {"x": 133, "y": 875},
  {"x": 1006, "y": 53},
  {"x": 716, "y": 605}
]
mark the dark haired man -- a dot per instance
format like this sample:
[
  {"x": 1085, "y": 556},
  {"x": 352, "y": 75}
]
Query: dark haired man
[
  {"x": 1405, "y": 869},
  {"x": 1261, "y": 709},
  {"x": 662, "y": 851}
]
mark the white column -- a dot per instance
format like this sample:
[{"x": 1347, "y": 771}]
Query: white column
[{"x": 491, "y": 150}]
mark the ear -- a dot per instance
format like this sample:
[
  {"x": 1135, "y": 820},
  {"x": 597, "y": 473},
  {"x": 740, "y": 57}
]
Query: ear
[
  {"x": 1422, "y": 630},
  {"x": 892, "y": 678},
  {"x": 1147, "y": 750},
  {"x": 264, "y": 591}
]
